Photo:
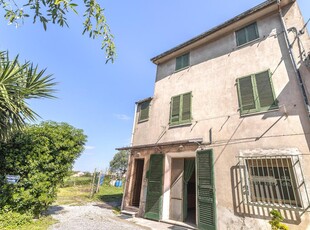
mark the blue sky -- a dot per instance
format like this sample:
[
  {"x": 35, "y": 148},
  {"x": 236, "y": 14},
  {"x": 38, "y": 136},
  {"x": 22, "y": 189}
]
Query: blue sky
[{"x": 97, "y": 97}]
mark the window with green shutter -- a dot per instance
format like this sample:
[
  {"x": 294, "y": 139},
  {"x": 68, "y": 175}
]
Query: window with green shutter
[
  {"x": 256, "y": 93},
  {"x": 181, "y": 109},
  {"x": 247, "y": 34},
  {"x": 144, "y": 108},
  {"x": 182, "y": 61}
]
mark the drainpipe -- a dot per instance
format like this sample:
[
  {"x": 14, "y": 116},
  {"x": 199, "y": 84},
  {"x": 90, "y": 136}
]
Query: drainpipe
[
  {"x": 296, "y": 70},
  {"x": 128, "y": 155}
]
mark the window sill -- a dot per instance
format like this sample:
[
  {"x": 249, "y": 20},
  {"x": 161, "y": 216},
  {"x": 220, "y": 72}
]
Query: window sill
[
  {"x": 179, "y": 70},
  {"x": 276, "y": 205},
  {"x": 247, "y": 43},
  {"x": 259, "y": 112},
  {"x": 180, "y": 125},
  {"x": 142, "y": 121}
]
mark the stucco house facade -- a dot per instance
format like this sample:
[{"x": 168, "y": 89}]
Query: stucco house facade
[{"x": 226, "y": 136}]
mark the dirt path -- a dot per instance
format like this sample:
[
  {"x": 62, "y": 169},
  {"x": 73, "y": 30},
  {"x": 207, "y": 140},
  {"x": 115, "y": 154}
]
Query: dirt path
[{"x": 88, "y": 217}]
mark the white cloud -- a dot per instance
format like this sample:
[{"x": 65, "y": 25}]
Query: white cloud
[
  {"x": 122, "y": 117},
  {"x": 88, "y": 147}
]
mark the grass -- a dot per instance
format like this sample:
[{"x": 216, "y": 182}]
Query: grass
[
  {"x": 77, "y": 195},
  {"x": 41, "y": 224},
  {"x": 80, "y": 194},
  {"x": 21, "y": 222},
  {"x": 109, "y": 194}
]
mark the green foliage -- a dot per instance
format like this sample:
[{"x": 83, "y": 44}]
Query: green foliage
[
  {"x": 55, "y": 11},
  {"x": 19, "y": 82},
  {"x": 276, "y": 219},
  {"x": 43, "y": 156},
  {"x": 13, "y": 220},
  {"x": 119, "y": 163},
  {"x": 75, "y": 181}
]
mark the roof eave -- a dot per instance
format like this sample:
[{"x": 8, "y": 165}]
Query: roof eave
[{"x": 194, "y": 42}]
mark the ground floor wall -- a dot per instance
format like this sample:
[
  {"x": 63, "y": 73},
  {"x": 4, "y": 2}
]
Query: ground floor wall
[{"x": 233, "y": 210}]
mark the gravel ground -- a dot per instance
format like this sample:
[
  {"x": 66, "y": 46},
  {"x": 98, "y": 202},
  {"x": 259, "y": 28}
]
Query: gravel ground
[{"x": 88, "y": 217}]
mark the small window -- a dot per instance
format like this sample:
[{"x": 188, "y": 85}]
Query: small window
[
  {"x": 247, "y": 34},
  {"x": 272, "y": 181},
  {"x": 182, "y": 61},
  {"x": 180, "y": 109},
  {"x": 144, "y": 108},
  {"x": 256, "y": 93}
]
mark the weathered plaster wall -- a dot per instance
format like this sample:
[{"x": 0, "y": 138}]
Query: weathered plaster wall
[{"x": 211, "y": 79}]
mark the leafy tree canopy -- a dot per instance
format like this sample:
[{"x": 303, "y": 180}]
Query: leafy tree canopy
[
  {"x": 19, "y": 82},
  {"x": 42, "y": 155},
  {"x": 119, "y": 163},
  {"x": 55, "y": 11}
]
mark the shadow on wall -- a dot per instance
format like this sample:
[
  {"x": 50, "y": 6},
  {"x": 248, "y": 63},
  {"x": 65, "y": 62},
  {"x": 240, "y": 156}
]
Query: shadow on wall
[
  {"x": 244, "y": 208},
  {"x": 291, "y": 98}
]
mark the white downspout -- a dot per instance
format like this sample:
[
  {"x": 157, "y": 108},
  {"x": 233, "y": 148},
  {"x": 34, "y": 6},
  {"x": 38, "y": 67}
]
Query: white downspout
[
  {"x": 296, "y": 70},
  {"x": 128, "y": 155}
]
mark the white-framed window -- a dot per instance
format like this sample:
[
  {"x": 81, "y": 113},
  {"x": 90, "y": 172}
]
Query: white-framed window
[{"x": 272, "y": 181}]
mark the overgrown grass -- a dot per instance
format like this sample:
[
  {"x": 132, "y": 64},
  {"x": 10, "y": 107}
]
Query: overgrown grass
[
  {"x": 109, "y": 194},
  {"x": 80, "y": 194},
  {"x": 77, "y": 195},
  {"x": 17, "y": 221}
]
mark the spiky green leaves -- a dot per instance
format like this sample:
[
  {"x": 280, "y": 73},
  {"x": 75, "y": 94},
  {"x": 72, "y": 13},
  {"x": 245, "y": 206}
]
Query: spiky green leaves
[{"x": 19, "y": 82}]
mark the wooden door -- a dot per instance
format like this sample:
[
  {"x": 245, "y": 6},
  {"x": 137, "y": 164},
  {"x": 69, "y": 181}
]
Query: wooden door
[
  {"x": 154, "y": 189},
  {"x": 176, "y": 189},
  {"x": 206, "y": 208}
]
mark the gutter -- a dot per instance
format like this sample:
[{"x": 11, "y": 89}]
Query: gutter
[{"x": 296, "y": 70}]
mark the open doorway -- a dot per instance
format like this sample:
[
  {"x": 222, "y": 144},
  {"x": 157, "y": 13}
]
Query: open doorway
[
  {"x": 191, "y": 200},
  {"x": 183, "y": 190},
  {"x": 189, "y": 191},
  {"x": 137, "y": 182}
]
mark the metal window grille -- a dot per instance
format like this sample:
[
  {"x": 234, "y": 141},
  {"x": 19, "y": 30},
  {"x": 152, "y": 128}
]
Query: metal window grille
[{"x": 273, "y": 181}]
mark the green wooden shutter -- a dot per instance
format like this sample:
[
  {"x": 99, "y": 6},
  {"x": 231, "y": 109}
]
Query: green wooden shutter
[
  {"x": 246, "y": 94},
  {"x": 182, "y": 61},
  {"x": 175, "y": 109},
  {"x": 251, "y": 32},
  {"x": 206, "y": 208},
  {"x": 144, "y": 110},
  {"x": 186, "y": 107},
  {"x": 178, "y": 63},
  {"x": 154, "y": 188},
  {"x": 264, "y": 90},
  {"x": 241, "y": 37},
  {"x": 185, "y": 60}
]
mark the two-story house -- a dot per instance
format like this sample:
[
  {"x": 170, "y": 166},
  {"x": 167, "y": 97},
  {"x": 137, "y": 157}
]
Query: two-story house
[{"x": 225, "y": 138}]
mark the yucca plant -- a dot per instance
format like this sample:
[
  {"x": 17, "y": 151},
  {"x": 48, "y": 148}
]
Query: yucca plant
[{"x": 18, "y": 83}]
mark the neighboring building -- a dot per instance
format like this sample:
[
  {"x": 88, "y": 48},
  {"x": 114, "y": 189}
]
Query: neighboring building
[{"x": 226, "y": 137}]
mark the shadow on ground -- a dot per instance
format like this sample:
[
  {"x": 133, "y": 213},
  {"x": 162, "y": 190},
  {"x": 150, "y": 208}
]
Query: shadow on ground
[{"x": 52, "y": 210}]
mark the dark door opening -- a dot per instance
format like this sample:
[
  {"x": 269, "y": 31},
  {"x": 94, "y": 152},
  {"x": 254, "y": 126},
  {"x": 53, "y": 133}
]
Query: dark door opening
[
  {"x": 191, "y": 200},
  {"x": 138, "y": 173}
]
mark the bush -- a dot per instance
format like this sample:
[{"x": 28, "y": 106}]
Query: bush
[
  {"x": 276, "y": 219},
  {"x": 42, "y": 155},
  {"x": 13, "y": 220}
]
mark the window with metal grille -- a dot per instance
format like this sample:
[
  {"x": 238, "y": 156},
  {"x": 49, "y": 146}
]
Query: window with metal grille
[
  {"x": 144, "y": 108},
  {"x": 256, "y": 93},
  {"x": 247, "y": 34},
  {"x": 182, "y": 61},
  {"x": 272, "y": 181},
  {"x": 180, "y": 112}
]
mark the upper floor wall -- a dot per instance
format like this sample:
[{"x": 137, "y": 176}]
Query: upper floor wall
[{"x": 211, "y": 78}]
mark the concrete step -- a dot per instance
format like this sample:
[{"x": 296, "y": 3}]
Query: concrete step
[{"x": 129, "y": 213}]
